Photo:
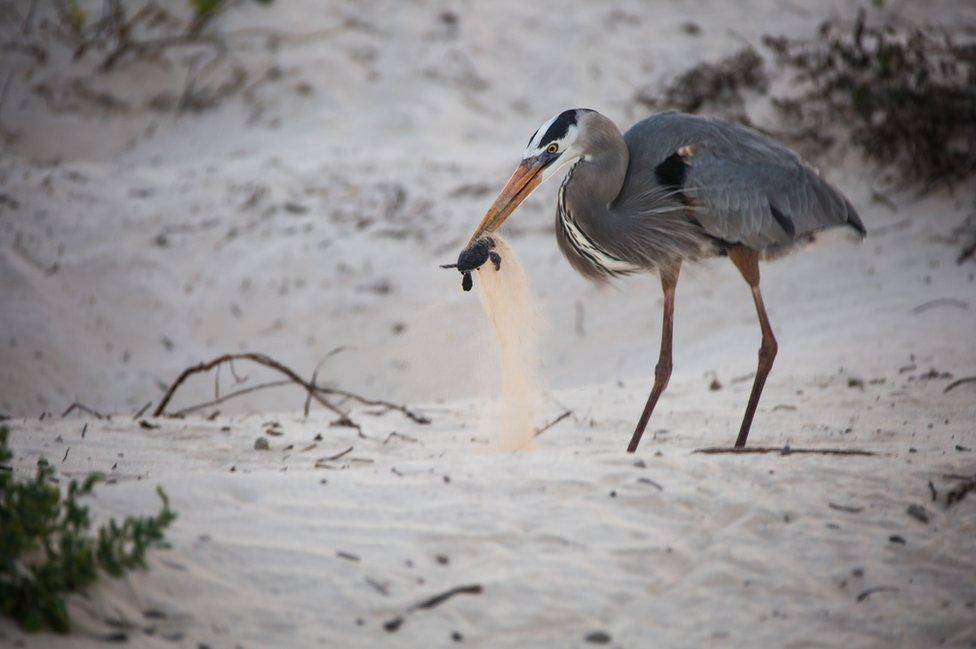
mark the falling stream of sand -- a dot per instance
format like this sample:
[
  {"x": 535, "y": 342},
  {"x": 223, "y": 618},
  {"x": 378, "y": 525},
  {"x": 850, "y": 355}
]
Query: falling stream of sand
[{"x": 507, "y": 302}]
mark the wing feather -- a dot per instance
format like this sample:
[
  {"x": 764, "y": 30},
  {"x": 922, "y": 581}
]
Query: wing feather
[{"x": 746, "y": 188}]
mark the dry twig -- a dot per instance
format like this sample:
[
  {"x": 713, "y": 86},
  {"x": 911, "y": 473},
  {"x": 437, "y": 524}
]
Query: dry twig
[
  {"x": 330, "y": 458},
  {"x": 317, "y": 392},
  {"x": 942, "y": 301},
  {"x": 785, "y": 450},
  {"x": 230, "y": 395},
  {"x": 260, "y": 359},
  {"x": 77, "y": 405},
  {"x": 395, "y": 623},
  {"x": 409, "y": 414},
  {"x": 142, "y": 410},
  {"x": 552, "y": 423},
  {"x": 958, "y": 382},
  {"x": 879, "y": 589},
  {"x": 957, "y": 493}
]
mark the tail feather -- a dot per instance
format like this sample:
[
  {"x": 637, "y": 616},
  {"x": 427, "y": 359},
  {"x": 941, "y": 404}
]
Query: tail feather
[{"x": 854, "y": 220}]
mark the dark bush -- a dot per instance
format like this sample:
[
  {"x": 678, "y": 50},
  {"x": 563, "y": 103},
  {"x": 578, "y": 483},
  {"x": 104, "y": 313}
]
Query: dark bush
[
  {"x": 907, "y": 95},
  {"x": 713, "y": 88}
]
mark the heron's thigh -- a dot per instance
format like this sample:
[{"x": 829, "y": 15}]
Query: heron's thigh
[{"x": 747, "y": 261}]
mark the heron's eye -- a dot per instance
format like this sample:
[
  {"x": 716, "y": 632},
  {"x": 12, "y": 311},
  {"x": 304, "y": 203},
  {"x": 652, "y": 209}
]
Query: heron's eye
[{"x": 552, "y": 148}]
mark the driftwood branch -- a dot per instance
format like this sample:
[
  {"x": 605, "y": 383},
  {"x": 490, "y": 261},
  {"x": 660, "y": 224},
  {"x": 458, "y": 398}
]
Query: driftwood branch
[
  {"x": 784, "y": 450},
  {"x": 260, "y": 359},
  {"x": 229, "y": 396},
  {"x": 314, "y": 391},
  {"x": 315, "y": 373},
  {"x": 409, "y": 414}
]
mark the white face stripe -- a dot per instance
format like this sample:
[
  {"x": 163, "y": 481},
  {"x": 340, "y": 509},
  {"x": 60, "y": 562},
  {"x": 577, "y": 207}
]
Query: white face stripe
[
  {"x": 536, "y": 141},
  {"x": 537, "y": 146}
]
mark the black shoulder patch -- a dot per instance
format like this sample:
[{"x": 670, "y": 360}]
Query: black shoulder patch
[
  {"x": 559, "y": 127},
  {"x": 784, "y": 221},
  {"x": 671, "y": 172}
]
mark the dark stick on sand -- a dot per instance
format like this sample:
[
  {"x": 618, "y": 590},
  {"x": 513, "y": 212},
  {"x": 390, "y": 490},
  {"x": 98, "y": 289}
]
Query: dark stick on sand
[
  {"x": 437, "y": 600},
  {"x": 229, "y": 396},
  {"x": 955, "y": 384},
  {"x": 336, "y": 456},
  {"x": 429, "y": 603},
  {"x": 142, "y": 410},
  {"x": 77, "y": 405},
  {"x": 553, "y": 423},
  {"x": 314, "y": 391},
  {"x": 260, "y": 359},
  {"x": 880, "y": 589},
  {"x": 784, "y": 450},
  {"x": 957, "y": 493}
]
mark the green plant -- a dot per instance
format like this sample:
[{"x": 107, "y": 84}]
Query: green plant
[
  {"x": 76, "y": 16},
  {"x": 47, "y": 549}
]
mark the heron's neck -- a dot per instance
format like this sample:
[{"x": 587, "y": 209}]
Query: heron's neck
[{"x": 598, "y": 177}]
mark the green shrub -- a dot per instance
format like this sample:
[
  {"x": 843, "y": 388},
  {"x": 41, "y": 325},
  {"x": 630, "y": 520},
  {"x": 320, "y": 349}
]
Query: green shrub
[{"x": 47, "y": 549}]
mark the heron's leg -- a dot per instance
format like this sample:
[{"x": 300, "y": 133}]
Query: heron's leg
[
  {"x": 662, "y": 372},
  {"x": 747, "y": 261}
]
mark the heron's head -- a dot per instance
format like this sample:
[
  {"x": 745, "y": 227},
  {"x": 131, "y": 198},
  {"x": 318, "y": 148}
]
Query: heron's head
[{"x": 558, "y": 142}]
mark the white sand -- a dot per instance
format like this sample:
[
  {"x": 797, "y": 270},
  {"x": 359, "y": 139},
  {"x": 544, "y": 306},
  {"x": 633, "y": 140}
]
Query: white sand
[{"x": 293, "y": 223}]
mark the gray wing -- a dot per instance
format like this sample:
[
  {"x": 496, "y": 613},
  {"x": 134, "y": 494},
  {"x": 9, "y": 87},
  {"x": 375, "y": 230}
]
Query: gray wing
[{"x": 742, "y": 187}]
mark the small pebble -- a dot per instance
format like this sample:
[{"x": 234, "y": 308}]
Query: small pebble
[
  {"x": 261, "y": 444},
  {"x": 598, "y": 637},
  {"x": 918, "y": 512}
]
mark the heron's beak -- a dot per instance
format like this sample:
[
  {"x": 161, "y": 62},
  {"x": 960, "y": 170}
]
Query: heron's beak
[{"x": 526, "y": 178}]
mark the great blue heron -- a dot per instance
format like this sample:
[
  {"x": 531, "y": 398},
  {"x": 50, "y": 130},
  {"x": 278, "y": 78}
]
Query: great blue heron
[{"x": 674, "y": 187}]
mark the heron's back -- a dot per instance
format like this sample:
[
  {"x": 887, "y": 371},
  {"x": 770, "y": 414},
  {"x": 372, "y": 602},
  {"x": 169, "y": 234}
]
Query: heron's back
[{"x": 739, "y": 186}]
